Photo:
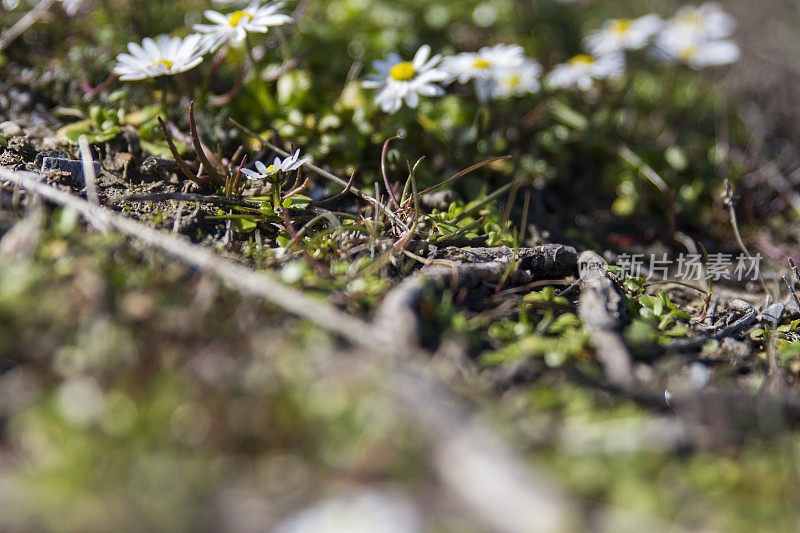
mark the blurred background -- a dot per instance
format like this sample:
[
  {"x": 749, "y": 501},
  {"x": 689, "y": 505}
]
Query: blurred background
[{"x": 138, "y": 394}]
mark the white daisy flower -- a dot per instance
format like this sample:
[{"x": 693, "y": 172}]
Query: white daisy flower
[
  {"x": 581, "y": 71},
  {"x": 696, "y": 36},
  {"x": 517, "y": 81},
  {"x": 164, "y": 56},
  {"x": 623, "y": 34},
  {"x": 289, "y": 164},
  {"x": 483, "y": 66},
  {"x": 401, "y": 81},
  {"x": 233, "y": 28},
  {"x": 706, "y": 22},
  {"x": 697, "y": 53}
]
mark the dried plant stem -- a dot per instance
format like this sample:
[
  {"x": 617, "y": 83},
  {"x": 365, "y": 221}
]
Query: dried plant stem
[
  {"x": 486, "y": 474},
  {"x": 728, "y": 199},
  {"x": 24, "y": 23}
]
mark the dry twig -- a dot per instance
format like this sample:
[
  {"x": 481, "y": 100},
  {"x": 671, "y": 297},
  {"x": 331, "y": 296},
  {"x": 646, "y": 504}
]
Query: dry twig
[
  {"x": 495, "y": 483},
  {"x": 601, "y": 308},
  {"x": 24, "y": 23}
]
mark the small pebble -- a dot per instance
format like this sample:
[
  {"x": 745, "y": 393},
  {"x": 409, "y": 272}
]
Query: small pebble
[
  {"x": 70, "y": 166},
  {"x": 10, "y": 129},
  {"x": 773, "y": 313},
  {"x": 51, "y": 143}
]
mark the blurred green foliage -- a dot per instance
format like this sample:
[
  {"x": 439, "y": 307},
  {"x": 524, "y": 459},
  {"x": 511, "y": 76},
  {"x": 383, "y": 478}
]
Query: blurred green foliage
[{"x": 158, "y": 398}]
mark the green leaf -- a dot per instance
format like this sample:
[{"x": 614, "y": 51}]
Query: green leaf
[
  {"x": 157, "y": 150},
  {"x": 244, "y": 225}
]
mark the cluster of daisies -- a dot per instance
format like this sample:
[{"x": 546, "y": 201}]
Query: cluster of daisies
[
  {"x": 497, "y": 71},
  {"x": 697, "y": 36},
  {"x": 166, "y": 55}
]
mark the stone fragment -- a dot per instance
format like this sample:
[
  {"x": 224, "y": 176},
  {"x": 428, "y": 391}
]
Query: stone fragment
[{"x": 70, "y": 166}]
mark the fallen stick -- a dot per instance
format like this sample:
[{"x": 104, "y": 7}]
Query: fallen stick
[
  {"x": 458, "y": 269},
  {"x": 495, "y": 483},
  {"x": 24, "y": 23},
  {"x": 601, "y": 308},
  {"x": 238, "y": 276}
]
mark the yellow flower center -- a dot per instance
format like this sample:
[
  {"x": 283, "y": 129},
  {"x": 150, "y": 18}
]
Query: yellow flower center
[
  {"x": 581, "y": 60},
  {"x": 513, "y": 81},
  {"x": 271, "y": 168},
  {"x": 481, "y": 63},
  {"x": 166, "y": 62},
  {"x": 690, "y": 18},
  {"x": 238, "y": 16},
  {"x": 689, "y": 52},
  {"x": 620, "y": 26},
  {"x": 403, "y": 71}
]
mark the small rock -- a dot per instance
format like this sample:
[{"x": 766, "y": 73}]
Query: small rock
[
  {"x": 72, "y": 167},
  {"x": 50, "y": 143},
  {"x": 19, "y": 99},
  {"x": 10, "y": 129},
  {"x": 773, "y": 313},
  {"x": 739, "y": 305},
  {"x": 55, "y": 154},
  {"x": 439, "y": 199},
  {"x": 21, "y": 146}
]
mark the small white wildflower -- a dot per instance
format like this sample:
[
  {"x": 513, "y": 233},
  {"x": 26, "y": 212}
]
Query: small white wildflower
[
  {"x": 233, "y": 28},
  {"x": 163, "y": 56},
  {"x": 695, "y": 52},
  {"x": 518, "y": 81},
  {"x": 623, "y": 34},
  {"x": 289, "y": 164},
  {"x": 401, "y": 81},
  {"x": 484, "y": 66},
  {"x": 696, "y": 36},
  {"x": 706, "y": 22},
  {"x": 581, "y": 71}
]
